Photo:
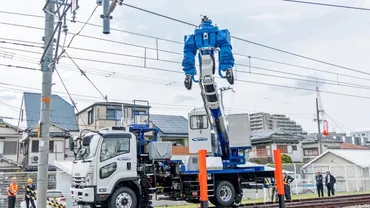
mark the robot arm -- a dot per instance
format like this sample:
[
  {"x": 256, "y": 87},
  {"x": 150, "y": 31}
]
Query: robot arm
[
  {"x": 188, "y": 63},
  {"x": 226, "y": 57}
]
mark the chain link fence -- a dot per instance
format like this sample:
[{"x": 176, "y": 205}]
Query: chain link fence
[{"x": 349, "y": 178}]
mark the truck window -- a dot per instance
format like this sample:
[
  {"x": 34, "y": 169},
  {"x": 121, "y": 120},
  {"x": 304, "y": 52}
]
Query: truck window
[
  {"x": 198, "y": 122},
  {"x": 114, "y": 146}
]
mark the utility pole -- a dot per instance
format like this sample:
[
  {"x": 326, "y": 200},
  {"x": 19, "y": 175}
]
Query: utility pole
[
  {"x": 47, "y": 72},
  {"x": 318, "y": 125}
]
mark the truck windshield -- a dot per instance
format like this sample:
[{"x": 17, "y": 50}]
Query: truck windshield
[{"x": 91, "y": 149}]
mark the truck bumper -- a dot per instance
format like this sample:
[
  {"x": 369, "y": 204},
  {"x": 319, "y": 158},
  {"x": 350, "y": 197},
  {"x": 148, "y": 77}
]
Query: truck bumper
[{"x": 85, "y": 195}]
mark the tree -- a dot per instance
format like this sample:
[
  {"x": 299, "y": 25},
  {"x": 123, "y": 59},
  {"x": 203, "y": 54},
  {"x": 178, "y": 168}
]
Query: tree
[{"x": 286, "y": 159}]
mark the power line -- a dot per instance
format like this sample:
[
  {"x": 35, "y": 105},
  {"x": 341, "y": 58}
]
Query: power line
[
  {"x": 338, "y": 83},
  {"x": 252, "y": 42},
  {"x": 330, "y": 5},
  {"x": 87, "y": 21}
]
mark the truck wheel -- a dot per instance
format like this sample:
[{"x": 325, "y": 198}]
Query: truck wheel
[
  {"x": 225, "y": 194},
  {"x": 123, "y": 197}
]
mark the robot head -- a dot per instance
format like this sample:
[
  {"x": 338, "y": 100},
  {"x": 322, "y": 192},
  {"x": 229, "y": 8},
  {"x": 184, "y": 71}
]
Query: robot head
[{"x": 205, "y": 20}]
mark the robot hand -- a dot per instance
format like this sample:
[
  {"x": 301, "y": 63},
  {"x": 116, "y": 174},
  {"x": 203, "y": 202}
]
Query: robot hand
[
  {"x": 188, "y": 81},
  {"x": 230, "y": 76}
]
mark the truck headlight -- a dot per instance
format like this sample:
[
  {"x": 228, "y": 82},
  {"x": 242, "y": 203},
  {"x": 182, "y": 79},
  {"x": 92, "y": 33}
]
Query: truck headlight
[
  {"x": 89, "y": 177},
  {"x": 108, "y": 170}
]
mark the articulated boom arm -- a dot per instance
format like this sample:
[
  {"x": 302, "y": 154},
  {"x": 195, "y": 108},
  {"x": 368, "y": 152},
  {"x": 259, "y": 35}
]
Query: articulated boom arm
[
  {"x": 211, "y": 102},
  {"x": 205, "y": 41}
]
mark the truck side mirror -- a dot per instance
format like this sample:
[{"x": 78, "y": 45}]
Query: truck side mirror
[{"x": 71, "y": 144}]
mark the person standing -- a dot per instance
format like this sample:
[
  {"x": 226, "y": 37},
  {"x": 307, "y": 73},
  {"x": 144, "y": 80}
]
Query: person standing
[
  {"x": 319, "y": 184},
  {"x": 329, "y": 182},
  {"x": 267, "y": 189},
  {"x": 12, "y": 193},
  {"x": 287, "y": 181},
  {"x": 30, "y": 195}
]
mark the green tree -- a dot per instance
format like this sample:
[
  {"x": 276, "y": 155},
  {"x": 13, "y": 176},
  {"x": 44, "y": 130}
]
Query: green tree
[{"x": 286, "y": 159}]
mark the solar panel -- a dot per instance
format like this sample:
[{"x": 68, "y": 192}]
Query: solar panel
[{"x": 170, "y": 124}]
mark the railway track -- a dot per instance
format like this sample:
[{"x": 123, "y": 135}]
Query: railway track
[{"x": 327, "y": 202}]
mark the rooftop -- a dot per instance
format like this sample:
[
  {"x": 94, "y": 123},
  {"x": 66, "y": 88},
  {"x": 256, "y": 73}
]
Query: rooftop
[
  {"x": 170, "y": 125},
  {"x": 345, "y": 145},
  {"x": 114, "y": 104},
  {"x": 62, "y": 113},
  {"x": 355, "y": 156}
]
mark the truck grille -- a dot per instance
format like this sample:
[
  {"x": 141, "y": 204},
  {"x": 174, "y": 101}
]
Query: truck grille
[{"x": 78, "y": 181}]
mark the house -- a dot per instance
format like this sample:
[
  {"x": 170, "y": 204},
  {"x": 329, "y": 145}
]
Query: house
[
  {"x": 104, "y": 114},
  {"x": 172, "y": 128},
  {"x": 265, "y": 142},
  {"x": 311, "y": 147},
  {"x": 9, "y": 146},
  {"x": 63, "y": 125},
  {"x": 350, "y": 167}
]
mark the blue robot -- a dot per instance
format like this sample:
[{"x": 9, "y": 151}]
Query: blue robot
[{"x": 208, "y": 38}]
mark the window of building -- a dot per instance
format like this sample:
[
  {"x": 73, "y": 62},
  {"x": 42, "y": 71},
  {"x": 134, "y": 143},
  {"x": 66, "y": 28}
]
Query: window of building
[
  {"x": 114, "y": 146},
  {"x": 114, "y": 114},
  {"x": 175, "y": 142},
  {"x": 294, "y": 147},
  {"x": 198, "y": 122},
  {"x": 311, "y": 152},
  {"x": 51, "y": 146},
  {"x": 282, "y": 148},
  {"x": 35, "y": 146},
  {"x": 90, "y": 117},
  {"x": 10, "y": 148},
  {"x": 261, "y": 151}
]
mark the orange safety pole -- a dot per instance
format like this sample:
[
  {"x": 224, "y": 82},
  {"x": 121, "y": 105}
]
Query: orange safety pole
[
  {"x": 203, "y": 178},
  {"x": 279, "y": 178}
]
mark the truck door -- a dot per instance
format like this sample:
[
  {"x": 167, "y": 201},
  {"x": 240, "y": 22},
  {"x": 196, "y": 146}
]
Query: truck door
[{"x": 117, "y": 160}]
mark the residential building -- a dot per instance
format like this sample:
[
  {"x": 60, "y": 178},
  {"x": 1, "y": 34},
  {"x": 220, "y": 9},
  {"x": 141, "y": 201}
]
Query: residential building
[
  {"x": 265, "y": 142},
  {"x": 171, "y": 128},
  {"x": 9, "y": 146},
  {"x": 350, "y": 167},
  {"x": 266, "y": 121},
  {"x": 63, "y": 125},
  {"x": 260, "y": 121},
  {"x": 311, "y": 147},
  {"x": 104, "y": 114}
]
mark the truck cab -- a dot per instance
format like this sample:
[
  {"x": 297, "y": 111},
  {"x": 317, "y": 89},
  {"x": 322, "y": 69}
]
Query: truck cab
[{"x": 105, "y": 162}]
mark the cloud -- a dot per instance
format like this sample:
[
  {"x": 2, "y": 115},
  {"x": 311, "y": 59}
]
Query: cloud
[
  {"x": 181, "y": 97},
  {"x": 6, "y": 96},
  {"x": 273, "y": 17}
]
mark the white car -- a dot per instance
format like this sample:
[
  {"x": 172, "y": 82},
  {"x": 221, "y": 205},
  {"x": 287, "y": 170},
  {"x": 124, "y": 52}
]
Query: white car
[{"x": 52, "y": 194}]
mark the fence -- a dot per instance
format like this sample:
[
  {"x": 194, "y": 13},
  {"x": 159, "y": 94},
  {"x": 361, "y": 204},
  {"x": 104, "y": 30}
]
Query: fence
[
  {"x": 349, "y": 178},
  {"x": 6, "y": 179}
]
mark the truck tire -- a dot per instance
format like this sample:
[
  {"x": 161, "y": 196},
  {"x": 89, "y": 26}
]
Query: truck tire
[
  {"x": 123, "y": 197},
  {"x": 225, "y": 194}
]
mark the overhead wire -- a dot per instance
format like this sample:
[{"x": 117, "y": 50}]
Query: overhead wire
[{"x": 252, "y": 42}]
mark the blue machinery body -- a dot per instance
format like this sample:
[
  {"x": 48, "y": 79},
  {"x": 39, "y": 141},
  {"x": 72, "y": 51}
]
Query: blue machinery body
[
  {"x": 141, "y": 129},
  {"x": 206, "y": 41}
]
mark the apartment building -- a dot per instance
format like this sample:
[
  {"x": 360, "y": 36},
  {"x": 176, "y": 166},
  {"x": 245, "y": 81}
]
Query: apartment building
[{"x": 266, "y": 121}]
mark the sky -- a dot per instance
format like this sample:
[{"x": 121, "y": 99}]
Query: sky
[{"x": 329, "y": 34}]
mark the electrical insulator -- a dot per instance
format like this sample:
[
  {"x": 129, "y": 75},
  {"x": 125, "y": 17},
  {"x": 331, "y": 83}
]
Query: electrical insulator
[{"x": 326, "y": 128}]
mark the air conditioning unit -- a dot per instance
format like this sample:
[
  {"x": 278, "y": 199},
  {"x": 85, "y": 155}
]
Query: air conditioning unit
[{"x": 35, "y": 159}]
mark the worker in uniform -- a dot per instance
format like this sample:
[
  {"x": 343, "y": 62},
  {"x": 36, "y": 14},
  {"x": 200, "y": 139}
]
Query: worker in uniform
[
  {"x": 12, "y": 193},
  {"x": 267, "y": 184},
  {"x": 287, "y": 181},
  {"x": 329, "y": 182},
  {"x": 30, "y": 195},
  {"x": 319, "y": 184}
]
